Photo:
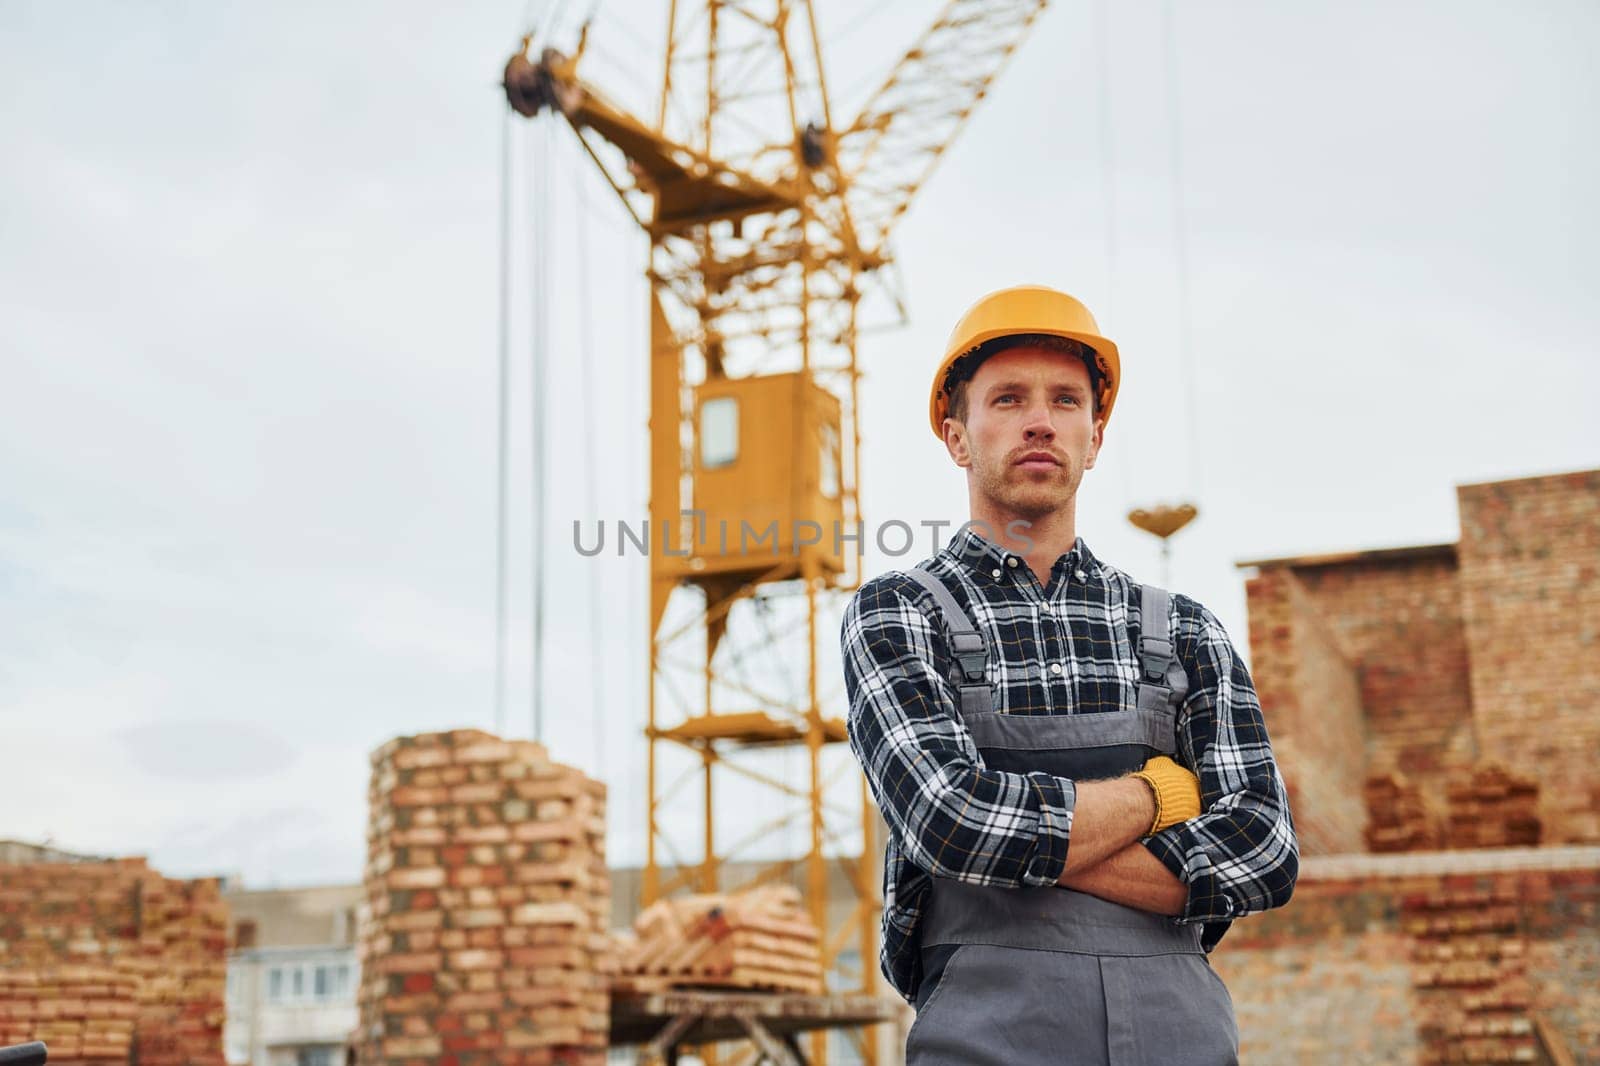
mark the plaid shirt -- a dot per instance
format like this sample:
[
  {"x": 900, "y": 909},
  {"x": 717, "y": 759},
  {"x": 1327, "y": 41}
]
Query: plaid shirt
[{"x": 1070, "y": 648}]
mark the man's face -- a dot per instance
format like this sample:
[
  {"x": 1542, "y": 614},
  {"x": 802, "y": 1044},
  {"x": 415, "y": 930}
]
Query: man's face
[{"x": 1030, "y": 431}]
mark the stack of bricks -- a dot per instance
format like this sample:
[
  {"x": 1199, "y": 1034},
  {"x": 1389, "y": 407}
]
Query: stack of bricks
[
  {"x": 1402, "y": 958},
  {"x": 108, "y": 927},
  {"x": 1490, "y": 807},
  {"x": 1470, "y": 968},
  {"x": 1486, "y": 807},
  {"x": 484, "y": 932},
  {"x": 1398, "y": 819},
  {"x": 85, "y": 1014},
  {"x": 183, "y": 932}
]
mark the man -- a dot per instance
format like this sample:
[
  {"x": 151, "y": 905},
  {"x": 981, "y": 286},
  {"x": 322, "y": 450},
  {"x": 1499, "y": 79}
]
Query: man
[{"x": 1078, "y": 783}]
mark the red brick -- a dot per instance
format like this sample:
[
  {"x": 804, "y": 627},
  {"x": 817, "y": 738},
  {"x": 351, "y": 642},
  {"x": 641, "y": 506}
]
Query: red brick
[{"x": 440, "y": 906}]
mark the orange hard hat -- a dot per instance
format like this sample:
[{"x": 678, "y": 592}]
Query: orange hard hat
[{"x": 1026, "y": 309}]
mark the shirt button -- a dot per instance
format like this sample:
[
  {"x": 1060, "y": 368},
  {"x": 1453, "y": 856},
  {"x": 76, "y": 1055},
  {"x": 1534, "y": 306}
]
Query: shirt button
[
  {"x": 1055, "y": 668},
  {"x": 994, "y": 573},
  {"x": 1011, "y": 560},
  {"x": 1080, "y": 575}
]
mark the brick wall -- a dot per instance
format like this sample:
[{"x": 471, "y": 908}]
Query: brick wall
[
  {"x": 1484, "y": 651},
  {"x": 1530, "y": 588},
  {"x": 1426, "y": 957},
  {"x": 1312, "y": 703},
  {"x": 1398, "y": 617},
  {"x": 1477, "y": 672},
  {"x": 101, "y": 929}
]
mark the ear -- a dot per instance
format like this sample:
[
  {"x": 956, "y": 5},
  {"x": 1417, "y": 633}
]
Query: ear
[
  {"x": 955, "y": 442},
  {"x": 1095, "y": 443}
]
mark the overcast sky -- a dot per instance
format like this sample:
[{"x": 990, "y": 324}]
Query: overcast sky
[{"x": 248, "y": 307}]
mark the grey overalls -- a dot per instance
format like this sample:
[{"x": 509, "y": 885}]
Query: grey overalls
[{"x": 1018, "y": 976}]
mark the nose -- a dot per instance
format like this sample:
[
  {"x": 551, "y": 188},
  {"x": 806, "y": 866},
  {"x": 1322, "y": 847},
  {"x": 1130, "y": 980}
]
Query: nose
[{"x": 1037, "y": 426}]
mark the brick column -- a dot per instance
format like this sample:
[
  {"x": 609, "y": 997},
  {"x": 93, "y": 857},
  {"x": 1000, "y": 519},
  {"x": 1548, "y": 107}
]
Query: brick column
[
  {"x": 1530, "y": 590},
  {"x": 484, "y": 937}
]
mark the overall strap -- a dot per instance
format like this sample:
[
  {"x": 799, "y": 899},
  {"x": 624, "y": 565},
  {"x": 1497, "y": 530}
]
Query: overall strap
[
  {"x": 1155, "y": 637},
  {"x": 967, "y": 646},
  {"x": 1162, "y": 681}
]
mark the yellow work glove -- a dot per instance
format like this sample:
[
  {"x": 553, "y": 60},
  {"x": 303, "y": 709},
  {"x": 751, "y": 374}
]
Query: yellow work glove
[{"x": 1177, "y": 792}]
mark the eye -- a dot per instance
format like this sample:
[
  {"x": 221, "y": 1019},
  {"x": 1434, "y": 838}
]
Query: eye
[{"x": 1069, "y": 398}]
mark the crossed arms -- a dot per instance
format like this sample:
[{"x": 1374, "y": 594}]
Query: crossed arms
[
  {"x": 954, "y": 817},
  {"x": 1105, "y": 858}
]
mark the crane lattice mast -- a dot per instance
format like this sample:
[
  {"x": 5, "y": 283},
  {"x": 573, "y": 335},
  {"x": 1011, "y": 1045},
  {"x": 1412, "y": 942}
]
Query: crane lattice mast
[{"x": 767, "y": 223}]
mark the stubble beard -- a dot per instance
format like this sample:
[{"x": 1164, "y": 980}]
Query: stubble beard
[{"x": 1025, "y": 494}]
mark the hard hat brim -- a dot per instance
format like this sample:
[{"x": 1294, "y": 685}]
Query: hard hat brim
[{"x": 1105, "y": 350}]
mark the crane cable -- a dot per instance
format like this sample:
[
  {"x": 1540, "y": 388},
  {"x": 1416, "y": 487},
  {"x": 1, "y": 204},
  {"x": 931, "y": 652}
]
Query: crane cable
[
  {"x": 532, "y": 13},
  {"x": 553, "y": 17},
  {"x": 1108, "y": 187},
  {"x": 539, "y": 342},
  {"x": 503, "y": 404},
  {"x": 586, "y": 356},
  {"x": 1180, "y": 225}
]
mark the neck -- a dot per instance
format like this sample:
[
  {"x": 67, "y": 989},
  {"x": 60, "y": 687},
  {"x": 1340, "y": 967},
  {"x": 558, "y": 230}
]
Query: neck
[{"x": 1052, "y": 534}]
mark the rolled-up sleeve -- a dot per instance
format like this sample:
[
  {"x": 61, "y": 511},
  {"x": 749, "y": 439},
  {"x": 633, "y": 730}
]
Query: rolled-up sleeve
[
  {"x": 1240, "y": 856},
  {"x": 950, "y": 815}
]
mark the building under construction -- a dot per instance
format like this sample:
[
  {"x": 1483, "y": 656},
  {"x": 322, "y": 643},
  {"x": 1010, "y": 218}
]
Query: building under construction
[{"x": 1436, "y": 709}]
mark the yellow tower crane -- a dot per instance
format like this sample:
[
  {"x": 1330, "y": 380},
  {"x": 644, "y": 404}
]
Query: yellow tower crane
[{"x": 767, "y": 222}]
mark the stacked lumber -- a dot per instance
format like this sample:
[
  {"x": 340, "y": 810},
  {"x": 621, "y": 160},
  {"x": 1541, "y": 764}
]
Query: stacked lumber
[
  {"x": 486, "y": 906},
  {"x": 760, "y": 939},
  {"x": 1490, "y": 807},
  {"x": 84, "y": 1013},
  {"x": 114, "y": 926},
  {"x": 1397, "y": 817}
]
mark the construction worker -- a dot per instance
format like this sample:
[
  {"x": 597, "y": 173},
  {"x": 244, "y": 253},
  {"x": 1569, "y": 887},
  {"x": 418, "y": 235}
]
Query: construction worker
[{"x": 1077, "y": 780}]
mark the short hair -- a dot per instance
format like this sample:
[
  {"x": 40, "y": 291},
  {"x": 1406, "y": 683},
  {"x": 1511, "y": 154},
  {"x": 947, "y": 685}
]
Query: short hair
[{"x": 962, "y": 370}]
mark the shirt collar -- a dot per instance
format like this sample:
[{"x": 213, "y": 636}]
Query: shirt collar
[{"x": 971, "y": 550}]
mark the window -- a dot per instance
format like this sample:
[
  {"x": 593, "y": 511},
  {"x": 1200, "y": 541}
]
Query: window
[
  {"x": 321, "y": 1055},
  {"x": 719, "y": 432},
  {"x": 311, "y": 982},
  {"x": 244, "y": 934},
  {"x": 341, "y": 981},
  {"x": 829, "y": 484}
]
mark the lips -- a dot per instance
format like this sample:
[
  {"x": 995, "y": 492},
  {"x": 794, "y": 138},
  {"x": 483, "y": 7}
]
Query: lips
[{"x": 1038, "y": 461}]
